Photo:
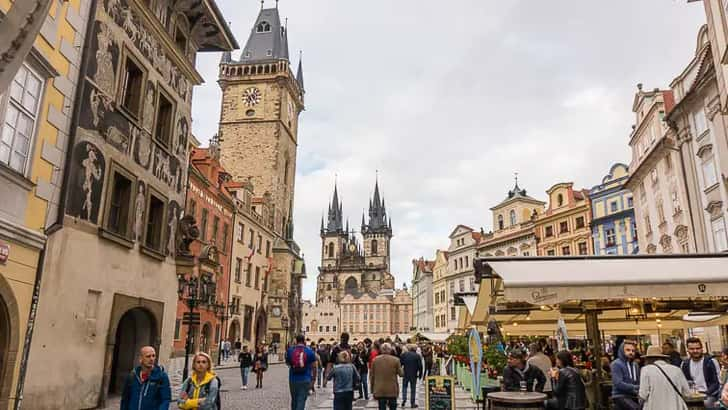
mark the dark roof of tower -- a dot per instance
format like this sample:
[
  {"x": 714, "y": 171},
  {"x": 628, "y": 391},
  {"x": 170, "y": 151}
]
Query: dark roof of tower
[
  {"x": 336, "y": 214},
  {"x": 268, "y": 38},
  {"x": 517, "y": 193},
  {"x": 378, "y": 220},
  {"x": 299, "y": 75}
]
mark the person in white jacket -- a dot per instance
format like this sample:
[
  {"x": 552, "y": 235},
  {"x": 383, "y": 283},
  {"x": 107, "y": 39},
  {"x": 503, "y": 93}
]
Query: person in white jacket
[{"x": 657, "y": 379}]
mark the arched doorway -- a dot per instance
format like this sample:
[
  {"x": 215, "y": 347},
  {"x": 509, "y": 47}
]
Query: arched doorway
[
  {"x": 4, "y": 342},
  {"x": 206, "y": 338},
  {"x": 261, "y": 326},
  {"x": 234, "y": 332},
  {"x": 351, "y": 285},
  {"x": 137, "y": 328}
]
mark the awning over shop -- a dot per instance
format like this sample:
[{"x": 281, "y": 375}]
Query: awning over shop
[{"x": 554, "y": 280}]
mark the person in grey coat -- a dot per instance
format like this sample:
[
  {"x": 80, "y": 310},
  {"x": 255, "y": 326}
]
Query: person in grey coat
[{"x": 662, "y": 385}]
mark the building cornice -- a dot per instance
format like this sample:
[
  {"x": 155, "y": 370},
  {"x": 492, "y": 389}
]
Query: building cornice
[{"x": 20, "y": 234}]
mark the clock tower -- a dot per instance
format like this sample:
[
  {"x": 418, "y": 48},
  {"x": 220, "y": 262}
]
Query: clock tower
[{"x": 261, "y": 102}]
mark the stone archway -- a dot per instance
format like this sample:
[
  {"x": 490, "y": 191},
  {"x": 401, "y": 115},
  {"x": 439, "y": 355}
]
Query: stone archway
[
  {"x": 206, "y": 338},
  {"x": 234, "y": 331},
  {"x": 351, "y": 285},
  {"x": 9, "y": 340},
  {"x": 137, "y": 328},
  {"x": 261, "y": 326}
]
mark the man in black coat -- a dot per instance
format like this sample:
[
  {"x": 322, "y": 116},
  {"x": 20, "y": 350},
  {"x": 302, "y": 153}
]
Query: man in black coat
[
  {"x": 412, "y": 366},
  {"x": 518, "y": 371}
]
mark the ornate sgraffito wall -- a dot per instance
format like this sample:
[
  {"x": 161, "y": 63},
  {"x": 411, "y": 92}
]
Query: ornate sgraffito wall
[{"x": 86, "y": 182}]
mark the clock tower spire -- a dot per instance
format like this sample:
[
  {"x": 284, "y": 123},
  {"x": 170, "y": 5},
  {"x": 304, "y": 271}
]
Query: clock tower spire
[{"x": 262, "y": 98}]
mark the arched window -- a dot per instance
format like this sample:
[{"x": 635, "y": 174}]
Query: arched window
[
  {"x": 374, "y": 247},
  {"x": 263, "y": 27},
  {"x": 500, "y": 222},
  {"x": 331, "y": 249},
  {"x": 513, "y": 217},
  {"x": 560, "y": 199}
]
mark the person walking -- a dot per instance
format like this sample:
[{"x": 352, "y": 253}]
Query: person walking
[
  {"x": 147, "y": 386},
  {"x": 301, "y": 361},
  {"x": 318, "y": 360},
  {"x": 703, "y": 371},
  {"x": 539, "y": 360},
  {"x": 519, "y": 371},
  {"x": 246, "y": 362},
  {"x": 429, "y": 360},
  {"x": 260, "y": 365},
  {"x": 662, "y": 385},
  {"x": 238, "y": 346},
  {"x": 567, "y": 387},
  {"x": 200, "y": 390},
  {"x": 345, "y": 377},
  {"x": 625, "y": 378},
  {"x": 383, "y": 377},
  {"x": 323, "y": 354},
  {"x": 361, "y": 364},
  {"x": 412, "y": 368}
]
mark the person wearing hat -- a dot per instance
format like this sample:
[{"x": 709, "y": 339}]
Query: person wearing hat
[
  {"x": 662, "y": 385},
  {"x": 518, "y": 371}
]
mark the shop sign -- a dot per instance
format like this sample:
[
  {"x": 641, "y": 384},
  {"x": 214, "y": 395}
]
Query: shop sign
[{"x": 4, "y": 252}]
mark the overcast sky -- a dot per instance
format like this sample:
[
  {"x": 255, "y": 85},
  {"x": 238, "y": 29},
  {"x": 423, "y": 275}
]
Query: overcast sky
[{"x": 448, "y": 99}]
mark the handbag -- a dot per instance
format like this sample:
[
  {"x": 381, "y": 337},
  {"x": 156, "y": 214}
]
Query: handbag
[{"x": 672, "y": 384}]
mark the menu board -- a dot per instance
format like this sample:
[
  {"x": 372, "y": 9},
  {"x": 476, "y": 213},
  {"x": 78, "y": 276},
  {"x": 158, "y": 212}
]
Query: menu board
[{"x": 440, "y": 393}]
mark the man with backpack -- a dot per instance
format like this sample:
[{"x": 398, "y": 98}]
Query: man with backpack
[{"x": 301, "y": 361}]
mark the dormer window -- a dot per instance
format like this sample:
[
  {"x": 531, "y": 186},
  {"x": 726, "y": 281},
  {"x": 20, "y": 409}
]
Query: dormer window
[
  {"x": 263, "y": 27},
  {"x": 560, "y": 200},
  {"x": 269, "y": 52}
]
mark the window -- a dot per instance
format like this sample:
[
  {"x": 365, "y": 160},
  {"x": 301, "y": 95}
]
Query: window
[
  {"x": 579, "y": 222},
  {"x": 613, "y": 206},
  {"x": 563, "y": 227},
  {"x": 630, "y": 202},
  {"x": 241, "y": 233},
  {"x": 260, "y": 244},
  {"x": 238, "y": 269},
  {"x": 500, "y": 222},
  {"x": 526, "y": 254},
  {"x": 582, "y": 248},
  {"x": 549, "y": 231},
  {"x": 453, "y": 313},
  {"x": 155, "y": 222},
  {"x": 668, "y": 162},
  {"x": 248, "y": 273},
  {"x": 611, "y": 237},
  {"x": 267, "y": 249},
  {"x": 466, "y": 261},
  {"x": 550, "y": 252},
  {"x": 472, "y": 284},
  {"x": 719, "y": 234},
  {"x": 193, "y": 208},
  {"x": 165, "y": 115},
  {"x": 250, "y": 238},
  {"x": 225, "y": 229},
  {"x": 560, "y": 200},
  {"x": 180, "y": 38},
  {"x": 460, "y": 262},
  {"x": 263, "y": 27},
  {"x": 452, "y": 288},
  {"x": 513, "y": 217},
  {"x": 566, "y": 250},
  {"x": 442, "y": 296},
  {"x": 700, "y": 123},
  {"x": 132, "y": 87},
  {"x": 19, "y": 125},
  {"x": 374, "y": 247},
  {"x": 257, "y": 277},
  {"x": 203, "y": 224},
  {"x": 461, "y": 285},
  {"x": 331, "y": 249},
  {"x": 247, "y": 322},
  {"x": 709, "y": 172},
  {"x": 119, "y": 212},
  {"x": 215, "y": 225},
  {"x": 437, "y": 297}
]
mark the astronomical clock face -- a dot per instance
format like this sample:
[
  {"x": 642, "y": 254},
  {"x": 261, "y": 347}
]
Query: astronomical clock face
[
  {"x": 252, "y": 97},
  {"x": 276, "y": 311},
  {"x": 352, "y": 248}
]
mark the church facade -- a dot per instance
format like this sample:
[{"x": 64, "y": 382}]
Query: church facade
[{"x": 355, "y": 270}]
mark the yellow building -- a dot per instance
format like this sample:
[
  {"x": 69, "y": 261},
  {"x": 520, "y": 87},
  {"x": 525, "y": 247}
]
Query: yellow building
[
  {"x": 439, "y": 290},
  {"x": 35, "y": 113},
  {"x": 563, "y": 229}
]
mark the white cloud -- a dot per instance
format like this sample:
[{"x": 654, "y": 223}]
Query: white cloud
[{"x": 447, "y": 101}]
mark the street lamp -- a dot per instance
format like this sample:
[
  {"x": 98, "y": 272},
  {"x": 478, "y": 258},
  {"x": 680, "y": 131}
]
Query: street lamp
[
  {"x": 284, "y": 325},
  {"x": 194, "y": 292},
  {"x": 223, "y": 312}
]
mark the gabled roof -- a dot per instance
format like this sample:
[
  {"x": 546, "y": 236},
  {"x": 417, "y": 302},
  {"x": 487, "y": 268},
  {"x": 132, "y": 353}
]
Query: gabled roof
[
  {"x": 467, "y": 228},
  {"x": 517, "y": 194},
  {"x": 268, "y": 39}
]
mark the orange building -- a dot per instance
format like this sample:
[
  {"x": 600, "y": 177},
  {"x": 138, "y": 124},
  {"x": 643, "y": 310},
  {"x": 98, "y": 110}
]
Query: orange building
[{"x": 564, "y": 228}]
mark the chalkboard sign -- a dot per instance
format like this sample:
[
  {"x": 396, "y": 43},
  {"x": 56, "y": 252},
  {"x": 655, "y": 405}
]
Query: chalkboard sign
[{"x": 440, "y": 393}]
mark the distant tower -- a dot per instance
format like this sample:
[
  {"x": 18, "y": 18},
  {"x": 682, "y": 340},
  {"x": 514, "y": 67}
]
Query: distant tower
[
  {"x": 261, "y": 102},
  {"x": 377, "y": 233},
  {"x": 333, "y": 240}
]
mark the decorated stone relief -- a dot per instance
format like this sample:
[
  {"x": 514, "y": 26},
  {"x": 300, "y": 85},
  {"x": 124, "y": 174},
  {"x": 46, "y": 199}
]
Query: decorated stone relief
[
  {"x": 182, "y": 136},
  {"x": 140, "y": 202},
  {"x": 103, "y": 66},
  {"x": 167, "y": 169},
  {"x": 148, "y": 45},
  {"x": 88, "y": 168},
  {"x": 143, "y": 148},
  {"x": 148, "y": 112},
  {"x": 172, "y": 221}
]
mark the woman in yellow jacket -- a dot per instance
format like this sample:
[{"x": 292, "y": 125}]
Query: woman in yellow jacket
[{"x": 200, "y": 390}]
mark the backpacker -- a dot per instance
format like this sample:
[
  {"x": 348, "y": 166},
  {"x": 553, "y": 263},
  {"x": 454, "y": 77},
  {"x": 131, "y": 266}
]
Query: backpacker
[
  {"x": 324, "y": 355},
  {"x": 205, "y": 391},
  {"x": 299, "y": 360}
]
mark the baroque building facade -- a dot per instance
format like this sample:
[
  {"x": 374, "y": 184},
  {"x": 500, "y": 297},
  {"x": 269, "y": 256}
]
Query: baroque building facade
[
  {"x": 422, "y": 295},
  {"x": 124, "y": 187},
  {"x": 459, "y": 277},
  {"x": 262, "y": 99},
  {"x": 321, "y": 321},
  {"x": 38, "y": 83},
  {"x": 614, "y": 229},
  {"x": 563, "y": 228},
  {"x": 439, "y": 290}
]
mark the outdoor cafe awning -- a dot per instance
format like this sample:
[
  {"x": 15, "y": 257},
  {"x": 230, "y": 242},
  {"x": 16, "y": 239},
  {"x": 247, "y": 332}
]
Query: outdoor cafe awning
[{"x": 555, "y": 280}]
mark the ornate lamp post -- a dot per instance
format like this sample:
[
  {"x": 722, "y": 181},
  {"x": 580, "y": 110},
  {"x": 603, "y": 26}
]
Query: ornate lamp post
[
  {"x": 194, "y": 292},
  {"x": 223, "y": 312},
  {"x": 284, "y": 325}
]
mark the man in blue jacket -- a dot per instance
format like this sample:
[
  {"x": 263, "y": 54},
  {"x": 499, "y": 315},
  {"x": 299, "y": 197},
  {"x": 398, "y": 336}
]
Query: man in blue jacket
[
  {"x": 147, "y": 386},
  {"x": 412, "y": 367},
  {"x": 626, "y": 378},
  {"x": 702, "y": 370}
]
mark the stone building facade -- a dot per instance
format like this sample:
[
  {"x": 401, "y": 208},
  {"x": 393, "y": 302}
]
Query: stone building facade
[
  {"x": 702, "y": 134},
  {"x": 376, "y": 315},
  {"x": 40, "y": 73},
  {"x": 321, "y": 321},
  {"x": 459, "y": 276},
  {"x": 212, "y": 206},
  {"x": 614, "y": 229},
  {"x": 658, "y": 179},
  {"x": 110, "y": 274},
  {"x": 251, "y": 263},
  {"x": 422, "y": 295},
  {"x": 439, "y": 291},
  {"x": 513, "y": 226},
  {"x": 262, "y": 99},
  {"x": 563, "y": 228}
]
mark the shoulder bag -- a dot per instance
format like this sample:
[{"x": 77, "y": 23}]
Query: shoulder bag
[{"x": 672, "y": 384}]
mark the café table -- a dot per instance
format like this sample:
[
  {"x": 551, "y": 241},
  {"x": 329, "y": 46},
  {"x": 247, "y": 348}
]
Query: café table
[{"x": 516, "y": 400}]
